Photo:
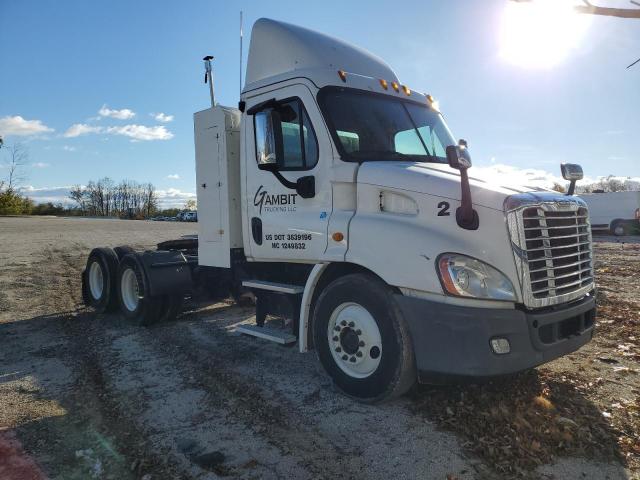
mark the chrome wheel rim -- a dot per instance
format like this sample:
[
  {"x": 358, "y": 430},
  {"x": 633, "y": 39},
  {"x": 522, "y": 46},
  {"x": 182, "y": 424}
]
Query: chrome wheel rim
[
  {"x": 129, "y": 289},
  {"x": 354, "y": 340},
  {"x": 96, "y": 280}
]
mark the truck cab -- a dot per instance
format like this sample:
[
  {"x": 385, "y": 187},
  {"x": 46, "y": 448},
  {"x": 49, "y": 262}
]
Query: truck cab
[
  {"x": 339, "y": 198},
  {"x": 337, "y": 172}
]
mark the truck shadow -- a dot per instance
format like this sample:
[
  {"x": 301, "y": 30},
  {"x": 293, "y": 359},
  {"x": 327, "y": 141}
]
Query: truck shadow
[
  {"x": 518, "y": 423},
  {"x": 512, "y": 424}
]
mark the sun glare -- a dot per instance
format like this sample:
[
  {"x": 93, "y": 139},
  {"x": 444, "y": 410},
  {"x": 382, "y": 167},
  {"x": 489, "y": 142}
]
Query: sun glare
[{"x": 540, "y": 33}]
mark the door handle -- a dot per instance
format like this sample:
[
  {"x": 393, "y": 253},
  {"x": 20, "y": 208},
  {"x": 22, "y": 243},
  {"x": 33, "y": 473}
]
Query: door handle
[{"x": 256, "y": 230}]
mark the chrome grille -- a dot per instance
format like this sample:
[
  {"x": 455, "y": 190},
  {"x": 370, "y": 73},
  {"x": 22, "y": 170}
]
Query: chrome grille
[{"x": 552, "y": 246}]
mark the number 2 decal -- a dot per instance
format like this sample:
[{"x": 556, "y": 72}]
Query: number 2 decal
[{"x": 444, "y": 209}]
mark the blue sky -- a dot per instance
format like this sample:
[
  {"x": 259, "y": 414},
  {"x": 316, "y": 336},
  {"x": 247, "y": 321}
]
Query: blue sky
[{"x": 62, "y": 62}]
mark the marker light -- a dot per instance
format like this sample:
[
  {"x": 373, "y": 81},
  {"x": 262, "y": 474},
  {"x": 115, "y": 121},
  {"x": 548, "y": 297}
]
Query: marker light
[
  {"x": 464, "y": 276},
  {"x": 395, "y": 86},
  {"x": 337, "y": 237},
  {"x": 433, "y": 103},
  {"x": 406, "y": 90},
  {"x": 384, "y": 84},
  {"x": 343, "y": 75}
]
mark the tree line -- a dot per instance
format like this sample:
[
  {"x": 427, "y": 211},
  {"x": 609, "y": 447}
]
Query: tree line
[{"x": 106, "y": 198}]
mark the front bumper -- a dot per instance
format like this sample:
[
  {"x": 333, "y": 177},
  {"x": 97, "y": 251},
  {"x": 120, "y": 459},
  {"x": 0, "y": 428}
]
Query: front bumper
[{"x": 450, "y": 341}]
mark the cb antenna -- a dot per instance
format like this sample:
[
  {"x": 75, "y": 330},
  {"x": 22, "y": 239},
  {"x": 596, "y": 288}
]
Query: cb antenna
[
  {"x": 240, "y": 53},
  {"x": 208, "y": 77}
]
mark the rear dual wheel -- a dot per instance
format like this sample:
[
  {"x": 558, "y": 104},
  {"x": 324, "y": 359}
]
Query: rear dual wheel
[
  {"x": 98, "y": 280},
  {"x": 115, "y": 278},
  {"x": 136, "y": 302}
]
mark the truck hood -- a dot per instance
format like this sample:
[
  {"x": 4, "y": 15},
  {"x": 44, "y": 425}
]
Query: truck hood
[{"x": 438, "y": 180}]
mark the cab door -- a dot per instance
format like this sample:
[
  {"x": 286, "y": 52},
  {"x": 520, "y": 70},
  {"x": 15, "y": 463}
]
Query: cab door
[{"x": 284, "y": 127}]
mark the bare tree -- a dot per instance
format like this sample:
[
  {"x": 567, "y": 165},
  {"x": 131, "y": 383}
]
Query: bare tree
[
  {"x": 78, "y": 195},
  {"x": 18, "y": 157},
  {"x": 591, "y": 9},
  {"x": 127, "y": 199}
]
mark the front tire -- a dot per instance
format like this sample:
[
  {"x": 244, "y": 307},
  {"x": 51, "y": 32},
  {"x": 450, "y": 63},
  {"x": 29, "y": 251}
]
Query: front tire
[
  {"x": 133, "y": 293},
  {"x": 362, "y": 340}
]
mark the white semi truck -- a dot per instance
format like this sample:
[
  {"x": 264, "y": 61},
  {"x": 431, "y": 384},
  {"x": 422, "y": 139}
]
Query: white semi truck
[{"x": 339, "y": 198}]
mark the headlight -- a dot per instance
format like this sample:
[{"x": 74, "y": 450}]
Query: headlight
[{"x": 464, "y": 276}]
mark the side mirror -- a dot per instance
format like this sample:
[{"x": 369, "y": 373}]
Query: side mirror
[
  {"x": 573, "y": 173},
  {"x": 268, "y": 148},
  {"x": 458, "y": 156}
]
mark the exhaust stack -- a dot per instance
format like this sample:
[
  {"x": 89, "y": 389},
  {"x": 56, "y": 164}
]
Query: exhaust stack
[{"x": 208, "y": 77}]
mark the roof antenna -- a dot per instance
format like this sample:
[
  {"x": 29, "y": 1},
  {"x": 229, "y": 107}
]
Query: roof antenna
[
  {"x": 240, "y": 54},
  {"x": 208, "y": 77}
]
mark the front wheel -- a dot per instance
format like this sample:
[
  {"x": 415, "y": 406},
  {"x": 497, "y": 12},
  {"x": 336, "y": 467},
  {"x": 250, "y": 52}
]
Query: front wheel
[{"x": 362, "y": 340}]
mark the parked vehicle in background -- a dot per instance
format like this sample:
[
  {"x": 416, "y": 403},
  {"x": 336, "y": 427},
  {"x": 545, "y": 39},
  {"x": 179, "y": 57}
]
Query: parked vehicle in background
[
  {"x": 190, "y": 217},
  {"x": 614, "y": 212}
]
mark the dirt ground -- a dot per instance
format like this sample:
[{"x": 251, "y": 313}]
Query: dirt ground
[{"x": 86, "y": 396}]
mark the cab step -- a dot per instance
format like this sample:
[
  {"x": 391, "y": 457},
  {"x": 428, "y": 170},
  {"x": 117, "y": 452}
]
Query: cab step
[
  {"x": 278, "y": 336},
  {"x": 274, "y": 287}
]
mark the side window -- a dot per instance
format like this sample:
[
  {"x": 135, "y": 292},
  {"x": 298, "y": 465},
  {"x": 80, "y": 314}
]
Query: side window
[
  {"x": 350, "y": 141},
  {"x": 288, "y": 132}
]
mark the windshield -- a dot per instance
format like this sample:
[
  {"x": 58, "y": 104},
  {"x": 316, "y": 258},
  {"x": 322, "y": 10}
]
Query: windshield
[{"x": 368, "y": 126}]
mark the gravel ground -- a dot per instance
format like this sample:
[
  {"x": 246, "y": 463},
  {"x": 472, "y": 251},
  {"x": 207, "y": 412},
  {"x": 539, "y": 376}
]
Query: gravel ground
[{"x": 89, "y": 396}]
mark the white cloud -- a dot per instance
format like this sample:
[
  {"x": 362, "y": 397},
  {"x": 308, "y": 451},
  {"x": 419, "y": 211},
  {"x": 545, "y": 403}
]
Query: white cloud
[
  {"x": 54, "y": 195},
  {"x": 174, "y": 198},
  {"x": 140, "y": 132},
  {"x": 508, "y": 175},
  {"x": 123, "y": 114},
  {"x": 162, "y": 117},
  {"x": 67, "y": 148},
  {"x": 78, "y": 129},
  {"x": 173, "y": 176},
  {"x": 135, "y": 132},
  {"x": 18, "y": 126},
  {"x": 40, "y": 165}
]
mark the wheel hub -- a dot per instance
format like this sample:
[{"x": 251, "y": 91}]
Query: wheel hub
[
  {"x": 96, "y": 280},
  {"x": 129, "y": 289},
  {"x": 354, "y": 340},
  {"x": 349, "y": 341}
]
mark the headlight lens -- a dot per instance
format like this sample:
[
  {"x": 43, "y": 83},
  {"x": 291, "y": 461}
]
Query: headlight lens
[{"x": 464, "y": 276}]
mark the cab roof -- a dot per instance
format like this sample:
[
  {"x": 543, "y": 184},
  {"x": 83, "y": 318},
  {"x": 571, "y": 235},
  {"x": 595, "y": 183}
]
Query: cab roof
[{"x": 280, "y": 50}]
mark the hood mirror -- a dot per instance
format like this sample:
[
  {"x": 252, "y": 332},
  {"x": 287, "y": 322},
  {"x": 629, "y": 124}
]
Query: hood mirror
[
  {"x": 573, "y": 173},
  {"x": 460, "y": 159},
  {"x": 458, "y": 155}
]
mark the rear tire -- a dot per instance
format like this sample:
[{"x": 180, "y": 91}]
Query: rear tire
[
  {"x": 123, "y": 250},
  {"x": 619, "y": 228},
  {"x": 362, "y": 340},
  {"x": 99, "y": 280},
  {"x": 135, "y": 302}
]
